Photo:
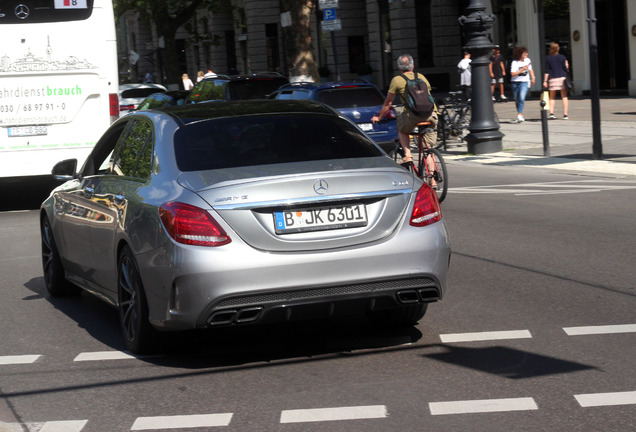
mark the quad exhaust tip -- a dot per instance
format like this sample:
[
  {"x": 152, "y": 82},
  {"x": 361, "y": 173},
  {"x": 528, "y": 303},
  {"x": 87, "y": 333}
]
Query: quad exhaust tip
[
  {"x": 235, "y": 316},
  {"x": 421, "y": 295}
]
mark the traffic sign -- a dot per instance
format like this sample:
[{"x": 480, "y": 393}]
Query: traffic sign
[
  {"x": 329, "y": 14},
  {"x": 327, "y": 4},
  {"x": 332, "y": 25}
]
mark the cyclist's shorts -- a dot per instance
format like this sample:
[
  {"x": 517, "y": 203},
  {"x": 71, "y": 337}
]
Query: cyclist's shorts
[{"x": 407, "y": 121}]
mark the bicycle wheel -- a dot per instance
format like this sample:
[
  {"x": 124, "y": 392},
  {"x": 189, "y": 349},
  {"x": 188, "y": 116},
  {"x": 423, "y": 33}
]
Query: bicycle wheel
[{"x": 433, "y": 171}]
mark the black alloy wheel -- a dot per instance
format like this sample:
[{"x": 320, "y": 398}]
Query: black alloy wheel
[
  {"x": 140, "y": 336},
  {"x": 54, "y": 279}
]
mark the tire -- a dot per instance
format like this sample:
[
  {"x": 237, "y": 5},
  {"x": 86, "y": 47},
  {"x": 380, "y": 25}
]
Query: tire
[
  {"x": 437, "y": 172},
  {"x": 52, "y": 268},
  {"x": 140, "y": 336},
  {"x": 405, "y": 316}
]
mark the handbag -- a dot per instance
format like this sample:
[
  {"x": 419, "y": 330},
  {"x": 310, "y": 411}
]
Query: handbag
[{"x": 568, "y": 83}]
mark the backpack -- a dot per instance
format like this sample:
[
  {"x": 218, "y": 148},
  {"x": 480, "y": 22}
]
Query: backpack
[{"x": 418, "y": 98}]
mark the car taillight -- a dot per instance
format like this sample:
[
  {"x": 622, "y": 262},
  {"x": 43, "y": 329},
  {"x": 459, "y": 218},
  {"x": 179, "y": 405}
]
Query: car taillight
[
  {"x": 126, "y": 107},
  {"x": 192, "y": 225},
  {"x": 390, "y": 114},
  {"x": 426, "y": 210}
]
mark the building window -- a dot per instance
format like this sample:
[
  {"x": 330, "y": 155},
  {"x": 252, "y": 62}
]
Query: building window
[
  {"x": 425, "y": 54},
  {"x": 271, "y": 41},
  {"x": 356, "y": 53}
]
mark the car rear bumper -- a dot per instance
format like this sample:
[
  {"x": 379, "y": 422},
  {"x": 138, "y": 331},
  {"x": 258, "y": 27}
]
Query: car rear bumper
[{"x": 240, "y": 285}]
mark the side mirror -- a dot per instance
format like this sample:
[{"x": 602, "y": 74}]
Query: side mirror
[{"x": 64, "y": 170}]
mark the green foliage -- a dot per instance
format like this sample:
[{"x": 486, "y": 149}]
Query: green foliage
[{"x": 556, "y": 8}]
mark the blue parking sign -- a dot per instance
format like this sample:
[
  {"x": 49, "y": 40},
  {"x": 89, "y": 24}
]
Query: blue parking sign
[{"x": 329, "y": 14}]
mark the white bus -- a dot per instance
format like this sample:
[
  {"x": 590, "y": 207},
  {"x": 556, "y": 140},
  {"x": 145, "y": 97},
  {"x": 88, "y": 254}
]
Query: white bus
[{"x": 58, "y": 81}]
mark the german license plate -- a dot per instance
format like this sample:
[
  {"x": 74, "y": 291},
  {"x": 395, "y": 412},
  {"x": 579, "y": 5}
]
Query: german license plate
[
  {"x": 18, "y": 131},
  {"x": 366, "y": 127},
  {"x": 320, "y": 219}
]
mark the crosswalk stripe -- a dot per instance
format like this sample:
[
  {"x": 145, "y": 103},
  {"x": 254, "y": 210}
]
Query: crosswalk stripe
[
  {"x": 482, "y": 406},
  {"x": 606, "y": 399},
  {"x": 333, "y": 414},
  {"x": 485, "y": 336},
  {"x": 604, "y": 329},
  {"x": 18, "y": 359},
  {"x": 182, "y": 421}
]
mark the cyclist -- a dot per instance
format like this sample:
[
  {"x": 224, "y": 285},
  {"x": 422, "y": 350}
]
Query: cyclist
[{"x": 407, "y": 120}]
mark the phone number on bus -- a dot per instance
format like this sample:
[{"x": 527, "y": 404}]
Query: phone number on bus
[{"x": 32, "y": 107}]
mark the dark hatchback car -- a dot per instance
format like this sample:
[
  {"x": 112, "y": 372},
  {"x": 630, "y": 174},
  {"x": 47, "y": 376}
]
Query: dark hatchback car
[
  {"x": 157, "y": 100},
  {"x": 356, "y": 99},
  {"x": 236, "y": 87}
]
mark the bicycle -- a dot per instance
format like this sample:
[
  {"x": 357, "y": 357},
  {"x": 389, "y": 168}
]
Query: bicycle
[
  {"x": 430, "y": 164},
  {"x": 454, "y": 118}
]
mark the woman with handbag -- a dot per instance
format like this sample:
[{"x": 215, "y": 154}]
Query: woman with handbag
[{"x": 557, "y": 69}]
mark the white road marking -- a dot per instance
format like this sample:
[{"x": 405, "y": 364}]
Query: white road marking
[
  {"x": 604, "y": 329},
  {"x": 569, "y": 187},
  {"x": 482, "y": 406},
  {"x": 332, "y": 414},
  {"x": 182, "y": 421},
  {"x": 485, "y": 336},
  {"x": 606, "y": 399},
  {"x": 18, "y": 359},
  {"x": 104, "y": 355},
  {"x": 51, "y": 426}
]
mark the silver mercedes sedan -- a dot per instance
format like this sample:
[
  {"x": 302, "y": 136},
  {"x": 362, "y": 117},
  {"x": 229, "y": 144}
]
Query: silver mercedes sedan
[{"x": 234, "y": 213}]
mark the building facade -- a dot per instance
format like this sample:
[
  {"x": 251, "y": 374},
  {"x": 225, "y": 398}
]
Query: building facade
[{"x": 373, "y": 33}]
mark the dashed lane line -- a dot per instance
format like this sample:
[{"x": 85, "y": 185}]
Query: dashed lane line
[
  {"x": 485, "y": 336},
  {"x": 182, "y": 421},
  {"x": 104, "y": 355},
  {"x": 482, "y": 406},
  {"x": 51, "y": 426},
  {"x": 333, "y": 414},
  {"x": 18, "y": 359},
  {"x": 603, "y": 329},
  {"x": 606, "y": 399}
]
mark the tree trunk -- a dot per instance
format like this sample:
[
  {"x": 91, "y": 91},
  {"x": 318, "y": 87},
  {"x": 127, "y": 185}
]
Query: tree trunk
[{"x": 299, "y": 52}]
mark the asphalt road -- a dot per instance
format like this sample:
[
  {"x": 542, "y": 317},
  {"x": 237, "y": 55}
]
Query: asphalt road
[{"x": 537, "y": 332}]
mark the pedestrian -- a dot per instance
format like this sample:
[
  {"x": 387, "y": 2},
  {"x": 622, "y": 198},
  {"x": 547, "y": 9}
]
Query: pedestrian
[
  {"x": 497, "y": 74},
  {"x": 557, "y": 69},
  {"x": 464, "y": 69},
  {"x": 200, "y": 75},
  {"x": 187, "y": 82},
  {"x": 521, "y": 78},
  {"x": 209, "y": 73},
  {"x": 148, "y": 77},
  {"x": 407, "y": 120}
]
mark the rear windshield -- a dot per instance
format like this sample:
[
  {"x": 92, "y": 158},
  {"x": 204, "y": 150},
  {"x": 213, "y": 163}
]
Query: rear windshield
[
  {"x": 44, "y": 11},
  {"x": 268, "y": 139},
  {"x": 139, "y": 92},
  {"x": 254, "y": 88},
  {"x": 350, "y": 97}
]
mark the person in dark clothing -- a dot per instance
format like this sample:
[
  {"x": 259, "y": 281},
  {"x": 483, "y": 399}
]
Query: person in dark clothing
[
  {"x": 556, "y": 70},
  {"x": 497, "y": 74}
]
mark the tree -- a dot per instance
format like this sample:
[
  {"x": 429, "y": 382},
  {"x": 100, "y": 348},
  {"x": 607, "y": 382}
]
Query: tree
[
  {"x": 298, "y": 46},
  {"x": 168, "y": 16}
]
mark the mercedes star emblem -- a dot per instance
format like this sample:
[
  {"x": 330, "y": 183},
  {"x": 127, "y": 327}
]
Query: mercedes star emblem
[
  {"x": 22, "y": 11},
  {"x": 320, "y": 187}
]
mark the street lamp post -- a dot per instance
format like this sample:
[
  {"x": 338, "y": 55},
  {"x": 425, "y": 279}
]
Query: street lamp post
[{"x": 484, "y": 136}]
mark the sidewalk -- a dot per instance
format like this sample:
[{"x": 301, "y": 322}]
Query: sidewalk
[{"x": 570, "y": 141}]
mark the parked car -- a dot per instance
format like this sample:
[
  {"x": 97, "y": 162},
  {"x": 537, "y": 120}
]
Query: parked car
[
  {"x": 357, "y": 99},
  {"x": 236, "y": 87},
  {"x": 157, "y": 100},
  {"x": 131, "y": 95},
  {"x": 233, "y": 214}
]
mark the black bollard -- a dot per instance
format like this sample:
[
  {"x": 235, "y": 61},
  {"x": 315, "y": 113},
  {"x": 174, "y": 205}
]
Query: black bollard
[{"x": 544, "y": 129}]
